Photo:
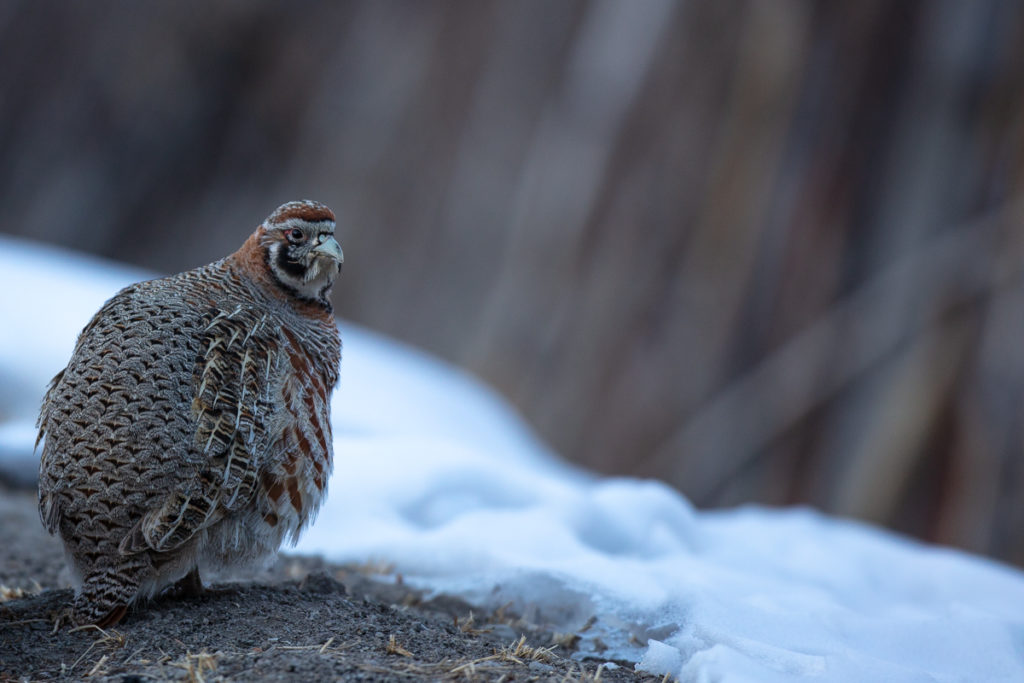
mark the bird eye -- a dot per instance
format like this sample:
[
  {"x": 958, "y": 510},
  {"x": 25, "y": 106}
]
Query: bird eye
[{"x": 295, "y": 235}]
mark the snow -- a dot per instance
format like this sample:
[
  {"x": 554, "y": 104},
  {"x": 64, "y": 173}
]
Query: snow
[{"x": 437, "y": 478}]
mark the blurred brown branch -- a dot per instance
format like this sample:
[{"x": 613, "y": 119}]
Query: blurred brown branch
[{"x": 917, "y": 337}]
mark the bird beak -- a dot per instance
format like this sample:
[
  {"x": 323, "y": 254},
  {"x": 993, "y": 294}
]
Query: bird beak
[{"x": 330, "y": 247}]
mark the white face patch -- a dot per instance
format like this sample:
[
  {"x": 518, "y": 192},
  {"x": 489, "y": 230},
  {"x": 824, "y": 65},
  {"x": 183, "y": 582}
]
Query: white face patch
[{"x": 300, "y": 263}]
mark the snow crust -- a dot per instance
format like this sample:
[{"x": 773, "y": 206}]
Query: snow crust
[{"x": 437, "y": 478}]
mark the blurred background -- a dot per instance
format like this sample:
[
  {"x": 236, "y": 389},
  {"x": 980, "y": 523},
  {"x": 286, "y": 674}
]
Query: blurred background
[{"x": 766, "y": 251}]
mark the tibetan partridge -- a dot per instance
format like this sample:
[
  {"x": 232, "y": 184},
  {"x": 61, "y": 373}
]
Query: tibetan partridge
[{"x": 191, "y": 428}]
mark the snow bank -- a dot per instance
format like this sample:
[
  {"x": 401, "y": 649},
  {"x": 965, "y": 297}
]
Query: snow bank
[
  {"x": 749, "y": 594},
  {"x": 436, "y": 477}
]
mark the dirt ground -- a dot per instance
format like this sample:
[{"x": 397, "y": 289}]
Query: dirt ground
[{"x": 301, "y": 619}]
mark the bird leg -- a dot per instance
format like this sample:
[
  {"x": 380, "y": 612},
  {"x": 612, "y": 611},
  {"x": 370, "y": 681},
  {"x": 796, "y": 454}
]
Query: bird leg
[{"x": 189, "y": 586}]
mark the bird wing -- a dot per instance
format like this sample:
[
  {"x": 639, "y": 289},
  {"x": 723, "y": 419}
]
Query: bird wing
[
  {"x": 56, "y": 409},
  {"x": 231, "y": 407},
  {"x": 49, "y": 508}
]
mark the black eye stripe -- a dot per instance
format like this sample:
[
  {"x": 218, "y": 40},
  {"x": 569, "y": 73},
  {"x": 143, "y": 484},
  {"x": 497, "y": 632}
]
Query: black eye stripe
[
  {"x": 289, "y": 265},
  {"x": 286, "y": 264}
]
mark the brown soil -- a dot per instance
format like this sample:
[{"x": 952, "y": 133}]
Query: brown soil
[{"x": 301, "y": 619}]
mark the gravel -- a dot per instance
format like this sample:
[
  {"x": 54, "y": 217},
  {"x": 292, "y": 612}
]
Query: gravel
[{"x": 300, "y": 619}]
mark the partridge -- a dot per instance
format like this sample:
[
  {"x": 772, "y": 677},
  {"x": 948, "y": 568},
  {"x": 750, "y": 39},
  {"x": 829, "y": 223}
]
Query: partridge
[{"x": 190, "y": 430}]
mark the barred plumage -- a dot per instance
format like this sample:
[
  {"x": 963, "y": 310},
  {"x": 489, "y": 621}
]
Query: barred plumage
[{"x": 191, "y": 428}]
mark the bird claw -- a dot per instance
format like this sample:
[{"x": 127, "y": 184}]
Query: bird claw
[{"x": 189, "y": 586}]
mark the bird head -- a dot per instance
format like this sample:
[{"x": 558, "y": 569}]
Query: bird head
[{"x": 300, "y": 249}]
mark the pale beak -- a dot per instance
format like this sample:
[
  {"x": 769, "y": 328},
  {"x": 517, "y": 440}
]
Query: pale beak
[{"x": 330, "y": 247}]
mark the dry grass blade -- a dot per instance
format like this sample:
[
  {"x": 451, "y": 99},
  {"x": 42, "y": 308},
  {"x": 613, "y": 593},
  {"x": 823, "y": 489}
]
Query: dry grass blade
[
  {"x": 375, "y": 568},
  {"x": 24, "y": 621},
  {"x": 98, "y": 666},
  {"x": 112, "y": 639},
  {"x": 567, "y": 640},
  {"x": 8, "y": 593},
  {"x": 469, "y": 668},
  {"x": 537, "y": 654},
  {"x": 196, "y": 666},
  {"x": 393, "y": 648},
  {"x": 81, "y": 657},
  {"x": 467, "y": 626},
  {"x": 518, "y": 652}
]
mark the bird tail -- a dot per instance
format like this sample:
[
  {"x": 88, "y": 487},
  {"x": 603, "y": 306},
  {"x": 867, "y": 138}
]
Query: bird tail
[{"x": 106, "y": 595}]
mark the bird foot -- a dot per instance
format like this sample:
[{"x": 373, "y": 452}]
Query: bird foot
[{"x": 189, "y": 586}]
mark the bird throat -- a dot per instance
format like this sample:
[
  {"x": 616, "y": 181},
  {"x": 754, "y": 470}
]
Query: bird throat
[{"x": 310, "y": 283}]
